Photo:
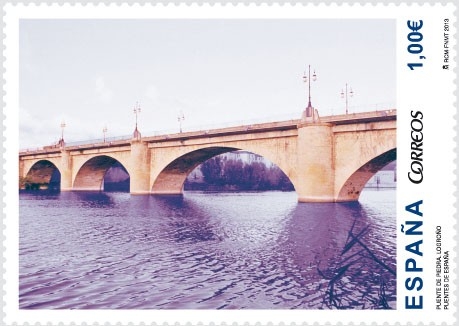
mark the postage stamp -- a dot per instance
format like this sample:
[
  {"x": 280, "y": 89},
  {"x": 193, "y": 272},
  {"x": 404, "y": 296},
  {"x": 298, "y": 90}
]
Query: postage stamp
[{"x": 170, "y": 164}]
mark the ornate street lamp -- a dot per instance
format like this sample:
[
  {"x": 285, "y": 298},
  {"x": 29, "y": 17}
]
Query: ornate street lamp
[
  {"x": 180, "y": 118},
  {"x": 307, "y": 79},
  {"x": 345, "y": 95},
  {"x": 137, "y": 111},
  {"x": 104, "y": 131},
  {"x": 61, "y": 141},
  {"x": 63, "y": 125}
]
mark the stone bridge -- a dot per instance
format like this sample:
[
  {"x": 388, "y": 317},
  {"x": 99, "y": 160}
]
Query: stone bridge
[{"x": 327, "y": 160}]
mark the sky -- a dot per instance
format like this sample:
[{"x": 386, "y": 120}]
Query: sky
[{"x": 91, "y": 73}]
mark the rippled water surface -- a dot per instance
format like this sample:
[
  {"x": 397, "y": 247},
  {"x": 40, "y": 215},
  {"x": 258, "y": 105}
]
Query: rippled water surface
[{"x": 205, "y": 251}]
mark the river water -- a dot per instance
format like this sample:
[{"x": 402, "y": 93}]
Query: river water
[{"x": 205, "y": 251}]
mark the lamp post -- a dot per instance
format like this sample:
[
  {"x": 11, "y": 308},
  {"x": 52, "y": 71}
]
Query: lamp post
[
  {"x": 61, "y": 141},
  {"x": 345, "y": 95},
  {"x": 180, "y": 118},
  {"x": 137, "y": 111},
  {"x": 104, "y": 131},
  {"x": 307, "y": 79},
  {"x": 62, "y": 130}
]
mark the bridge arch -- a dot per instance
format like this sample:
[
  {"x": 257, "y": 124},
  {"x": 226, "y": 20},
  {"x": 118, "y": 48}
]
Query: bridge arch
[
  {"x": 42, "y": 173},
  {"x": 90, "y": 175},
  {"x": 352, "y": 187},
  {"x": 172, "y": 175}
]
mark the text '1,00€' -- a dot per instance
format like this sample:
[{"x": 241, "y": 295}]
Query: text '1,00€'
[{"x": 415, "y": 47}]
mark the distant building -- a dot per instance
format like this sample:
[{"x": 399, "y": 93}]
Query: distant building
[
  {"x": 247, "y": 157},
  {"x": 383, "y": 179},
  {"x": 196, "y": 175}
]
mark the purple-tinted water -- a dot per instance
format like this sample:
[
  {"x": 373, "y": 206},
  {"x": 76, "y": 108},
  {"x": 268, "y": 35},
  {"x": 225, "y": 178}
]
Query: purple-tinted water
[{"x": 205, "y": 251}]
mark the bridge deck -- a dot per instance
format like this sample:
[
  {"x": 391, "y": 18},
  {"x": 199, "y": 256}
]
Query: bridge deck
[{"x": 364, "y": 117}]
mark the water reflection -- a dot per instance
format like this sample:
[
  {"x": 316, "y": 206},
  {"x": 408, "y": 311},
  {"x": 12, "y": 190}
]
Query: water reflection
[
  {"x": 205, "y": 251},
  {"x": 90, "y": 199},
  {"x": 337, "y": 265}
]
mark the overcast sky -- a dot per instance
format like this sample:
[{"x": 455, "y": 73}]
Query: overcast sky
[{"x": 91, "y": 73}]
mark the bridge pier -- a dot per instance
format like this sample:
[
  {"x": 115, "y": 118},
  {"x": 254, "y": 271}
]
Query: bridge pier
[
  {"x": 66, "y": 171},
  {"x": 315, "y": 166},
  {"x": 140, "y": 168}
]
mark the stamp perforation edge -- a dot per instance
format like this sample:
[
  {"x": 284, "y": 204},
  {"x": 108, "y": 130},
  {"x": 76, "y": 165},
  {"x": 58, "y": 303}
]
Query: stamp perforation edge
[{"x": 456, "y": 94}]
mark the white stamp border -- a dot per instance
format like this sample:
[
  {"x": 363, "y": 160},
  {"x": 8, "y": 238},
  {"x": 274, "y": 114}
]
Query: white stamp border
[{"x": 409, "y": 98}]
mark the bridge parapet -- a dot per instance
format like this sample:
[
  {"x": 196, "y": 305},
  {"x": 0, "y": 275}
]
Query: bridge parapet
[{"x": 353, "y": 118}]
